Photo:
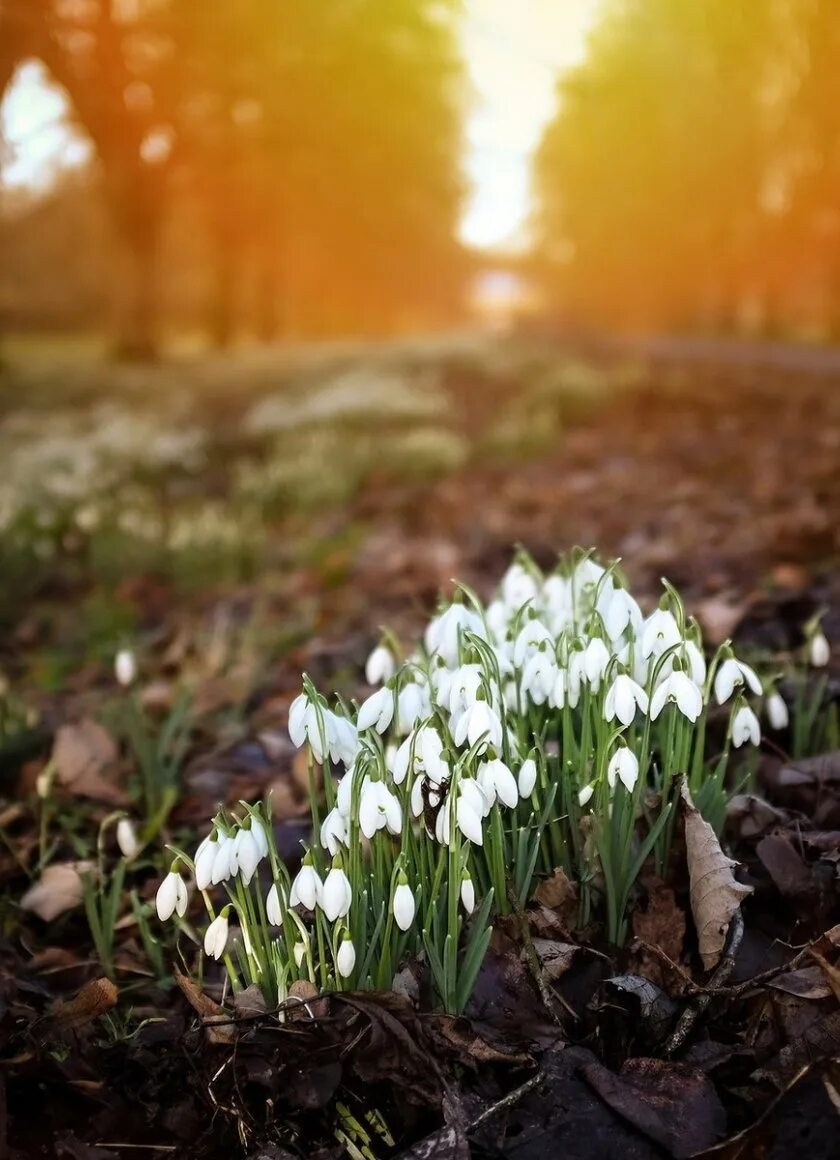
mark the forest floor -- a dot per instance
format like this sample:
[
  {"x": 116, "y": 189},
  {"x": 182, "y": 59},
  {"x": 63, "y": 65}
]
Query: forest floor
[{"x": 289, "y": 508}]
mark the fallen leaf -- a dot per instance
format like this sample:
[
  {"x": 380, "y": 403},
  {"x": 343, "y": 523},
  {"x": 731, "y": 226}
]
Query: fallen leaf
[
  {"x": 85, "y": 759},
  {"x": 554, "y": 957},
  {"x": 58, "y": 889},
  {"x": 804, "y": 983},
  {"x": 832, "y": 974},
  {"x": 715, "y": 893},
  {"x": 558, "y": 893},
  {"x": 206, "y": 1009},
  {"x": 792, "y": 877},
  {"x": 94, "y": 999},
  {"x": 661, "y": 924},
  {"x": 671, "y": 1103}
]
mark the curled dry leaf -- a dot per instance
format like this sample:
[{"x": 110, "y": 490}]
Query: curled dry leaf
[
  {"x": 85, "y": 759},
  {"x": 94, "y": 999},
  {"x": 218, "y": 1026},
  {"x": 715, "y": 893},
  {"x": 58, "y": 889}
]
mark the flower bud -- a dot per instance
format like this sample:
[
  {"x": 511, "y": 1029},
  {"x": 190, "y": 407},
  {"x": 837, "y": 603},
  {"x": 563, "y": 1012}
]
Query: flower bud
[
  {"x": 125, "y": 667},
  {"x": 404, "y": 904},
  {"x": 216, "y": 936},
  {"x": 819, "y": 651},
  {"x": 467, "y": 893},
  {"x": 345, "y": 960},
  {"x": 777, "y": 711},
  {"x": 127, "y": 839}
]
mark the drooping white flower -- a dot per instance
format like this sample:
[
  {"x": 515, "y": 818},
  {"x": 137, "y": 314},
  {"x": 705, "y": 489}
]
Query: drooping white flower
[
  {"x": 531, "y": 637},
  {"x": 171, "y": 897},
  {"x": 273, "y": 909},
  {"x": 336, "y": 893},
  {"x": 539, "y": 676},
  {"x": 496, "y": 781},
  {"x": 308, "y": 722},
  {"x": 518, "y": 586},
  {"x": 444, "y": 633},
  {"x": 216, "y": 936},
  {"x": 732, "y": 674},
  {"x": 125, "y": 667},
  {"x": 204, "y": 858},
  {"x": 378, "y": 809},
  {"x": 377, "y": 712},
  {"x": 467, "y": 893},
  {"x": 345, "y": 960},
  {"x": 819, "y": 650},
  {"x": 585, "y": 794},
  {"x": 306, "y": 888},
  {"x": 527, "y": 777},
  {"x": 559, "y": 602},
  {"x": 127, "y": 839},
  {"x": 623, "y": 698},
  {"x": 624, "y": 766},
  {"x": 619, "y": 611},
  {"x": 413, "y": 704},
  {"x": 479, "y": 724},
  {"x": 380, "y": 666},
  {"x": 404, "y": 905},
  {"x": 225, "y": 862},
  {"x": 745, "y": 727},
  {"x": 659, "y": 632},
  {"x": 343, "y": 739},
  {"x": 462, "y": 688},
  {"x": 247, "y": 853},
  {"x": 596, "y": 658},
  {"x": 777, "y": 711},
  {"x": 467, "y": 817},
  {"x": 297, "y": 719},
  {"x": 679, "y": 689},
  {"x": 334, "y": 831}
]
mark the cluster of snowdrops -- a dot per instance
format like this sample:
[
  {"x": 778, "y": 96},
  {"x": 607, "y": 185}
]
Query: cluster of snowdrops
[{"x": 550, "y": 728}]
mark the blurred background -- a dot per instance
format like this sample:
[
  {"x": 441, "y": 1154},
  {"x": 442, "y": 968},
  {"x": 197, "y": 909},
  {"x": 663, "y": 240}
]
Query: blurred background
[{"x": 352, "y": 295}]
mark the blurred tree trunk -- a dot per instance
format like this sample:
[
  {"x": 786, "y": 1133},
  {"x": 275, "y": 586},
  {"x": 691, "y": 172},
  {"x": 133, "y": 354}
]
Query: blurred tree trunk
[
  {"x": 222, "y": 322},
  {"x": 136, "y": 215}
]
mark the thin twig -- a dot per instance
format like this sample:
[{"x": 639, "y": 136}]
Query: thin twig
[
  {"x": 550, "y": 998},
  {"x": 699, "y": 1004},
  {"x": 507, "y": 1101}
]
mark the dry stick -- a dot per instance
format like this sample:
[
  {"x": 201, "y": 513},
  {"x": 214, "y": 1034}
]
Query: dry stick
[
  {"x": 699, "y": 1004},
  {"x": 549, "y": 998},
  {"x": 507, "y": 1101}
]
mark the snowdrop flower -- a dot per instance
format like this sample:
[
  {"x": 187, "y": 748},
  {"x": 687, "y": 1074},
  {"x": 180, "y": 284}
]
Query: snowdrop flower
[
  {"x": 125, "y": 667},
  {"x": 777, "y": 711},
  {"x": 467, "y": 893},
  {"x": 623, "y": 698},
  {"x": 745, "y": 727},
  {"x": 336, "y": 893},
  {"x": 559, "y": 602},
  {"x": 309, "y": 723},
  {"x": 299, "y": 950},
  {"x": 443, "y": 635},
  {"x": 532, "y": 636},
  {"x": 404, "y": 905},
  {"x": 247, "y": 853},
  {"x": 462, "y": 688},
  {"x": 539, "y": 676},
  {"x": 679, "y": 689},
  {"x": 273, "y": 909},
  {"x": 480, "y": 723},
  {"x": 379, "y": 808},
  {"x": 819, "y": 650},
  {"x": 307, "y": 886},
  {"x": 345, "y": 960},
  {"x": 377, "y": 711},
  {"x": 171, "y": 897},
  {"x": 469, "y": 813},
  {"x": 527, "y": 777},
  {"x": 380, "y": 666},
  {"x": 216, "y": 935},
  {"x": 696, "y": 662},
  {"x": 585, "y": 579},
  {"x": 497, "y": 781},
  {"x": 204, "y": 858},
  {"x": 618, "y": 611},
  {"x": 497, "y": 616},
  {"x": 596, "y": 658},
  {"x": 734, "y": 673},
  {"x": 427, "y": 747},
  {"x": 623, "y": 765},
  {"x": 343, "y": 739},
  {"x": 518, "y": 586},
  {"x": 127, "y": 839},
  {"x": 413, "y": 704},
  {"x": 585, "y": 794},
  {"x": 225, "y": 862},
  {"x": 660, "y": 632},
  {"x": 334, "y": 831}
]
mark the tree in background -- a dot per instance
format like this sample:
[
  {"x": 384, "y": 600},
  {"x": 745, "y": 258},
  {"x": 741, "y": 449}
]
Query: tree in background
[
  {"x": 690, "y": 156},
  {"x": 315, "y": 144}
]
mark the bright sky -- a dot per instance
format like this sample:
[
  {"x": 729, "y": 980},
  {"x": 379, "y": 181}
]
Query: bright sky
[{"x": 514, "y": 50}]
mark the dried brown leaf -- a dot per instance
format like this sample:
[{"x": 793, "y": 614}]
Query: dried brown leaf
[
  {"x": 85, "y": 759},
  {"x": 206, "y": 1009},
  {"x": 94, "y": 999},
  {"x": 58, "y": 889},
  {"x": 715, "y": 893}
]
